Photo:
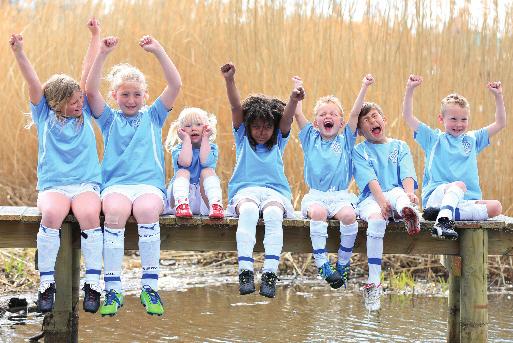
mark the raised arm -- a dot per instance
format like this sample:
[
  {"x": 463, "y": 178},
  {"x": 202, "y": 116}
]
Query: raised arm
[
  {"x": 174, "y": 82},
  {"x": 26, "y": 68},
  {"x": 298, "y": 114},
  {"x": 297, "y": 95},
  {"x": 358, "y": 103},
  {"x": 228, "y": 71},
  {"x": 500, "y": 111},
  {"x": 94, "y": 96},
  {"x": 92, "y": 50},
  {"x": 411, "y": 120}
]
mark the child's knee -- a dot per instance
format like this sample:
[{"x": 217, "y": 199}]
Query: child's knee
[
  {"x": 206, "y": 172},
  {"x": 494, "y": 208},
  {"x": 460, "y": 184},
  {"x": 346, "y": 215},
  {"x": 53, "y": 217},
  {"x": 88, "y": 218},
  {"x": 183, "y": 173},
  {"x": 317, "y": 212}
]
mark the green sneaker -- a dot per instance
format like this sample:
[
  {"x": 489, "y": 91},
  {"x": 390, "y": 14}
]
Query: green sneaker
[
  {"x": 113, "y": 301},
  {"x": 151, "y": 300}
]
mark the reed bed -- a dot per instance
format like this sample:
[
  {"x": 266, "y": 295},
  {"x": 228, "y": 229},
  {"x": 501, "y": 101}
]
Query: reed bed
[{"x": 330, "y": 47}]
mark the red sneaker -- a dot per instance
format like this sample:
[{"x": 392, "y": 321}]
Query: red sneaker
[
  {"x": 216, "y": 211},
  {"x": 411, "y": 221},
  {"x": 183, "y": 211}
]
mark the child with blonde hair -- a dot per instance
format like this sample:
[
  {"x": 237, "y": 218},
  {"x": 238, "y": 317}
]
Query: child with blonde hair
[
  {"x": 68, "y": 170},
  {"x": 195, "y": 187},
  {"x": 132, "y": 167},
  {"x": 328, "y": 171},
  {"x": 451, "y": 179}
]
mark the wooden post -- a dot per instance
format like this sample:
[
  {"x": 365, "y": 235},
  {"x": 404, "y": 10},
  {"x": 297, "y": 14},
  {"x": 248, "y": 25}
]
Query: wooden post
[
  {"x": 453, "y": 265},
  {"x": 474, "y": 300},
  {"x": 61, "y": 325}
]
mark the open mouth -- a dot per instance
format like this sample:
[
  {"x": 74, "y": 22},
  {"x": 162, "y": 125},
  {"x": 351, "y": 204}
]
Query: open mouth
[
  {"x": 328, "y": 125},
  {"x": 376, "y": 131}
]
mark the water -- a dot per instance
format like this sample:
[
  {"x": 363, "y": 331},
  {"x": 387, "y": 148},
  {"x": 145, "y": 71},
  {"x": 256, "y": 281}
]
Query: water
[{"x": 300, "y": 313}]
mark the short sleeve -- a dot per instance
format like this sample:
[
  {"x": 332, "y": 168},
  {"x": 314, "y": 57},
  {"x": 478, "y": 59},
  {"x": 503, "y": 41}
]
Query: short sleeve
[
  {"x": 105, "y": 119},
  {"x": 406, "y": 166},
  {"x": 158, "y": 112},
  {"x": 350, "y": 137},
  {"x": 482, "y": 139},
  {"x": 40, "y": 111},
  {"x": 362, "y": 170},
  {"x": 212, "y": 157},
  {"x": 175, "y": 152},
  {"x": 425, "y": 136},
  {"x": 304, "y": 135},
  {"x": 239, "y": 134}
]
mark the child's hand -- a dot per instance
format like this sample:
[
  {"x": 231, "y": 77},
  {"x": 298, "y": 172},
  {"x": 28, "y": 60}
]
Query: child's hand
[
  {"x": 108, "y": 44},
  {"x": 182, "y": 134},
  {"x": 297, "y": 94},
  {"x": 228, "y": 70},
  {"x": 150, "y": 44},
  {"x": 368, "y": 80},
  {"x": 297, "y": 81},
  {"x": 386, "y": 209},
  {"x": 207, "y": 131},
  {"x": 94, "y": 26},
  {"x": 16, "y": 42},
  {"x": 413, "y": 81},
  {"x": 413, "y": 198},
  {"x": 495, "y": 87}
]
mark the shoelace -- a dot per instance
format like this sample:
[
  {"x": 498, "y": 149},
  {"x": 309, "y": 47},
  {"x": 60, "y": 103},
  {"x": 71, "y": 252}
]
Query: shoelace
[
  {"x": 110, "y": 297},
  {"x": 270, "y": 279},
  {"x": 154, "y": 296},
  {"x": 90, "y": 293},
  {"x": 245, "y": 277}
]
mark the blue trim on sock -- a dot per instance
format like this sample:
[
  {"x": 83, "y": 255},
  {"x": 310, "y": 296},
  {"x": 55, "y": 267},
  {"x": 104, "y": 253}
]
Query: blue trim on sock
[
  {"x": 374, "y": 261},
  {"x": 93, "y": 271},
  {"x": 150, "y": 276},
  {"x": 111, "y": 278},
  {"x": 245, "y": 258},
  {"x": 47, "y": 273},
  {"x": 272, "y": 257},
  {"x": 447, "y": 207},
  {"x": 457, "y": 214},
  {"x": 342, "y": 248},
  {"x": 319, "y": 251}
]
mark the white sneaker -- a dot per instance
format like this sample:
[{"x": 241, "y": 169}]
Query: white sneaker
[{"x": 372, "y": 296}]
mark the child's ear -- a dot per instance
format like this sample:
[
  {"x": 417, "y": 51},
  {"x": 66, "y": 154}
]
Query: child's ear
[
  {"x": 113, "y": 94},
  {"x": 440, "y": 118}
]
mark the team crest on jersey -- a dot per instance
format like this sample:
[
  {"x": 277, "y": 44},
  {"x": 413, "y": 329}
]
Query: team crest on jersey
[
  {"x": 393, "y": 155},
  {"x": 336, "y": 147},
  {"x": 467, "y": 147}
]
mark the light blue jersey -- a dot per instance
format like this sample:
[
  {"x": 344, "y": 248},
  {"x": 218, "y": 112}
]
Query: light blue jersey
[
  {"x": 196, "y": 166},
  {"x": 260, "y": 167},
  {"x": 133, "y": 146},
  {"x": 327, "y": 163},
  {"x": 389, "y": 163},
  {"x": 449, "y": 159},
  {"x": 66, "y": 151}
]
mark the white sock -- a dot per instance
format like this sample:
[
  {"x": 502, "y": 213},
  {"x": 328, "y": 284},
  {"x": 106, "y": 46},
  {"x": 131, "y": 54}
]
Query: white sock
[
  {"x": 91, "y": 244},
  {"x": 347, "y": 237},
  {"x": 48, "y": 243},
  {"x": 113, "y": 251},
  {"x": 375, "y": 233},
  {"x": 212, "y": 187},
  {"x": 318, "y": 235},
  {"x": 273, "y": 240},
  {"x": 149, "y": 248},
  {"x": 246, "y": 232},
  {"x": 181, "y": 190},
  {"x": 471, "y": 212},
  {"x": 453, "y": 195}
]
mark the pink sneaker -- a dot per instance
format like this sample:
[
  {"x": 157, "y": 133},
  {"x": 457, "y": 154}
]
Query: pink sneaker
[
  {"x": 216, "y": 211},
  {"x": 183, "y": 211}
]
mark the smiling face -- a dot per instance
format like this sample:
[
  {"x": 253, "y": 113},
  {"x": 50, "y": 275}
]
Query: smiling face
[
  {"x": 261, "y": 131},
  {"x": 454, "y": 119},
  {"x": 130, "y": 97},
  {"x": 371, "y": 125},
  {"x": 73, "y": 107},
  {"x": 328, "y": 120}
]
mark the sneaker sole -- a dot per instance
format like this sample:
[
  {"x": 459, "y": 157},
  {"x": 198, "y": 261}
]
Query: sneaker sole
[
  {"x": 246, "y": 293},
  {"x": 411, "y": 221},
  {"x": 151, "y": 314}
]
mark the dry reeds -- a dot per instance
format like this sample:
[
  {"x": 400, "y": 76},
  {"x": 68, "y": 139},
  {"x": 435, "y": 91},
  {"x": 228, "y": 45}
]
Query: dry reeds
[{"x": 269, "y": 42}]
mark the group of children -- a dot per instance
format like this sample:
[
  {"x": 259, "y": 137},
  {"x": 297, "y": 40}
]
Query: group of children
[{"x": 131, "y": 178}]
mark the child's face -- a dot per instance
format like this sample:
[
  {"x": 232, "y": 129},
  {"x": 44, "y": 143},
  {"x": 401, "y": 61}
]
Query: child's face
[
  {"x": 194, "y": 129},
  {"x": 455, "y": 119},
  {"x": 372, "y": 127},
  {"x": 130, "y": 97},
  {"x": 328, "y": 120},
  {"x": 261, "y": 131},
  {"x": 73, "y": 107}
]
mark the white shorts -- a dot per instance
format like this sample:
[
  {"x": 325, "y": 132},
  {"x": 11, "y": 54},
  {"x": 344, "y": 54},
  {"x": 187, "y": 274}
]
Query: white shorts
[
  {"x": 132, "y": 192},
  {"x": 71, "y": 191},
  {"x": 466, "y": 208},
  {"x": 261, "y": 196},
  {"x": 370, "y": 206},
  {"x": 196, "y": 203},
  {"x": 331, "y": 201}
]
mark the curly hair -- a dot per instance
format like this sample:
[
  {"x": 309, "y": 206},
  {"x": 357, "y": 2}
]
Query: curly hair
[
  {"x": 456, "y": 99},
  {"x": 366, "y": 108},
  {"x": 267, "y": 109}
]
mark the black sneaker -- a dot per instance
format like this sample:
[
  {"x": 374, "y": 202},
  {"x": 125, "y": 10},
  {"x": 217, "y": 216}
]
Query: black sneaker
[
  {"x": 430, "y": 213},
  {"x": 268, "y": 285},
  {"x": 246, "y": 282},
  {"x": 92, "y": 295},
  {"x": 444, "y": 229},
  {"x": 46, "y": 297},
  {"x": 331, "y": 275}
]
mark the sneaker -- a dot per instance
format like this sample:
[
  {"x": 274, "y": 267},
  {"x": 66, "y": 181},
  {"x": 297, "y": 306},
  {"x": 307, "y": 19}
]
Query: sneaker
[
  {"x": 92, "y": 293},
  {"x": 344, "y": 271},
  {"x": 112, "y": 303},
  {"x": 444, "y": 229},
  {"x": 183, "y": 211},
  {"x": 216, "y": 211},
  {"x": 411, "y": 220},
  {"x": 246, "y": 282},
  {"x": 151, "y": 300},
  {"x": 372, "y": 296},
  {"x": 430, "y": 213},
  {"x": 268, "y": 285},
  {"x": 46, "y": 297},
  {"x": 331, "y": 275}
]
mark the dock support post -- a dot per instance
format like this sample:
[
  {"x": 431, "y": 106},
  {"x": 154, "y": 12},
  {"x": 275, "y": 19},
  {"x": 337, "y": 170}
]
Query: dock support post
[
  {"x": 474, "y": 296},
  {"x": 453, "y": 265}
]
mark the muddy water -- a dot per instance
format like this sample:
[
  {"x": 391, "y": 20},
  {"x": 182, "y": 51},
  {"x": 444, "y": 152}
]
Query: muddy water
[{"x": 300, "y": 313}]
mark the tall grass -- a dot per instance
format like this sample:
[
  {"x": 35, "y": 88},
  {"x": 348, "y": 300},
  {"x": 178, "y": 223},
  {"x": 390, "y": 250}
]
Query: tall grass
[{"x": 269, "y": 42}]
